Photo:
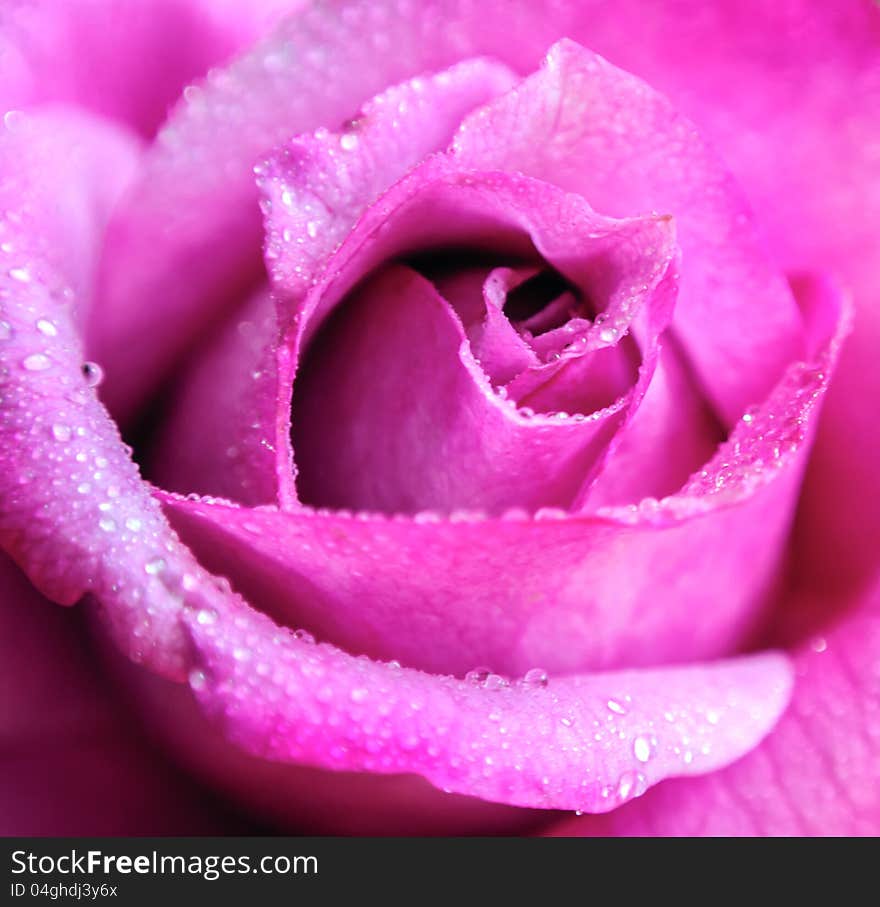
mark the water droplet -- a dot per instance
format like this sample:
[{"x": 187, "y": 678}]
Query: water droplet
[
  {"x": 198, "y": 679},
  {"x": 36, "y": 362},
  {"x": 536, "y": 678},
  {"x": 712, "y": 716},
  {"x": 642, "y": 749},
  {"x": 608, "y": 335},
  {"x": 348, "y": 142},
  {"x": 44, "y": 326},
  {"x": 93, "y": 373},
  {"x": 495, "y": 682},
  {"x": 631, "y": 784},
  {"x": 312, "y": 228},
  {"x": 20, "y": 274},
  {"x": 304, "y": 636},
  {"x": 359, "y": 694},
  {"x": 61, "y": 432},
  {"x": 12, "y": 119},
  {"x": 615, "y": 706},
  {"x": 818, "y": 644},
  {"x": 5, "y": 330},
  {"x": 107, "y": 524},
  {"x": 206, "y": 616},
  {"x": 154, "y": 566},
  {"x": 133, "y": 524},
  {"x": 478, "y": 676}
]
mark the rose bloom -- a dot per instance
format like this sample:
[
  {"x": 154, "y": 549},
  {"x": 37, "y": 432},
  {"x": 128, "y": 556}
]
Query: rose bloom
[{"x": 447, "y": 417}]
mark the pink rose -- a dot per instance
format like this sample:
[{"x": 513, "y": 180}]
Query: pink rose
[{"x": 517, "y": 415}]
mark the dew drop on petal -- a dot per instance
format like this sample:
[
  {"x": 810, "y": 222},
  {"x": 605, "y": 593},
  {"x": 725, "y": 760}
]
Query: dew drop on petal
[
  {"x": 206, "y": 617},
  {"x": 642, "y": 749},
  {"x": 615, "y": 706},
  {"x": 478, "y": 676},
  {"x": 536, "y": 678},
  {"x": 495, "y": 682},
  {"x": 154, "y": 566},
  {"x": 36, "y": 362},
  {"x": 93, "y": 373}
]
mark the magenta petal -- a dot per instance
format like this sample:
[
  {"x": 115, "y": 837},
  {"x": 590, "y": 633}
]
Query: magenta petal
[
  {"x": 72, "y": 762},
  {"x": 513, "y": 592},
  {"x": 596, "y": 130},
  {"x": 671, "y": 435},
  {"x": 218, "y": 435},
  {"x": 124, "y": 60},
  {"x": 629, "y": 265},
  {"x": 423, "y": 429},
  {"x": 816, "y": 774},
  {"x": 74, "y": 512},
  {"x": 588, "y": 743},
  {"x": 185, "y": 243}
]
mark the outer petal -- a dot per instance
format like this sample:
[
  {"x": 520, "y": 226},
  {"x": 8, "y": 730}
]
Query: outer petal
[
  {"x": 167, "y": 266},
  {"x": 124, "y": 60},
  {"x": 586, "y": 743},
  {"x": 73, "y": 510},
  {"x": 815, "y": 68},
  {"x": 816, "y": 774},
  {"x": 72, "y": 762},
  {"x": 513, "y": 592}
]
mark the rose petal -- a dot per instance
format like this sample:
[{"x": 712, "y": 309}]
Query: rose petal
[
  {"x": 74, "y": 512},
  {"x": 217, "y": 435},
  {"x": 815, "y": 774},
  {"x": 184, "y": 245},
  {"x": 680, "y": 579},
  {"x": 72, "y": 761},
  {"x": 339, "y": 424},
  {"x": 128, "y": 61},
  {"x": 586, "y": 743},
  {"x": 671, "y": 435},
  {"x": 598, "y": 131}
]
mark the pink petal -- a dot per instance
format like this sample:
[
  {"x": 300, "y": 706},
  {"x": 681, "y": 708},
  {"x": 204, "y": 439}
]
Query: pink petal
[
  {"x": 816, "y": 774},
  {"x": 72, "y": 762},
  {"x": 74, "y": 513},
  {"x": 184, "y": 245},
  {"x": 218, "y": 434},
  {"x": 671, "y": 435},
  {"x": 598, "y": 131},
  {"x": 586, "y": 743},
  {"x": 347, "y": 426},
  {"x": 511, "y": 592},
  {"x": 128, "y": 61}
]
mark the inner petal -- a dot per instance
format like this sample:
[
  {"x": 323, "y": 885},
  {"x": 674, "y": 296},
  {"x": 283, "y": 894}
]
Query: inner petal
[
  {"x": 522, "y": 314},
  {"x": 391, "y": 412}
]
